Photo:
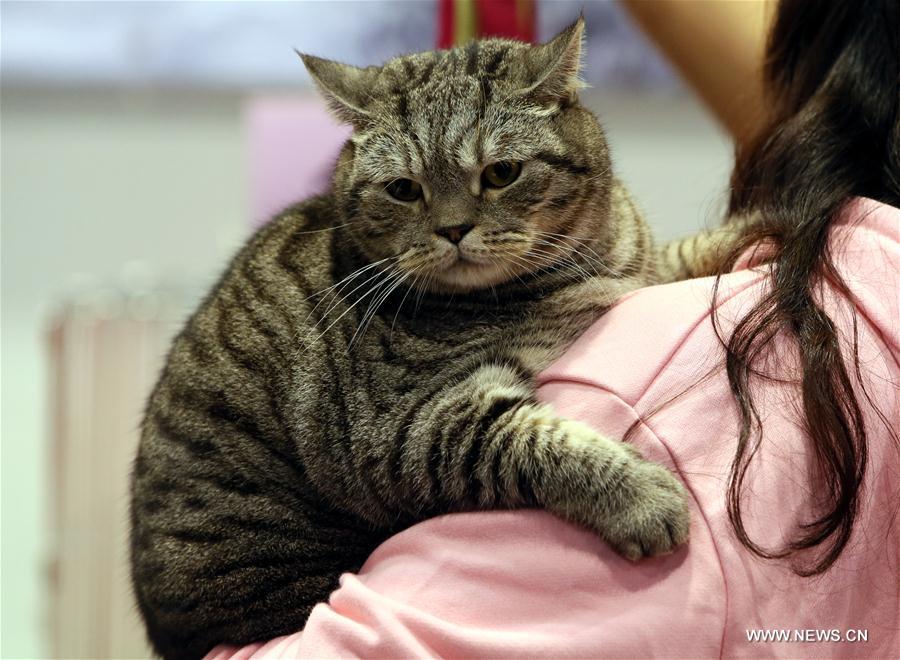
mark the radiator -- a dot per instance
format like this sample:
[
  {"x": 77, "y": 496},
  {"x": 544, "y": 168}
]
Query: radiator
[{"x": 104, "y": 358}]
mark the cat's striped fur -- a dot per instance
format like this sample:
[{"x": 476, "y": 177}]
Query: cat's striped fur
[
  {"x": 349, "y": 375},
  {"x": 705, "y": 253}
]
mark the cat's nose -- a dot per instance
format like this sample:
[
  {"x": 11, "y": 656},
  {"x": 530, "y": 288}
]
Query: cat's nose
[{"x": 454, "y": 234}]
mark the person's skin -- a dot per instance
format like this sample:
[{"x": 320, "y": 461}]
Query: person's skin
[{"x": 718, "y": 47}]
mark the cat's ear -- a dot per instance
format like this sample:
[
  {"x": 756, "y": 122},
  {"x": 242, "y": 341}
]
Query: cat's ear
[
  {"x": 346, "y": 88},
  {"x": 555, "y": 67}
]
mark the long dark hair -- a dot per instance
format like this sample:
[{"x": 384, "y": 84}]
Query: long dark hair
[{"x": 833, "y": 134}]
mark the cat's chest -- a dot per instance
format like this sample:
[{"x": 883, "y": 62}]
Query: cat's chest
[
  {"x": 544, "y": 339},
  {"x": 446, "y": 338},
  {"x": 532, "y": 338}
]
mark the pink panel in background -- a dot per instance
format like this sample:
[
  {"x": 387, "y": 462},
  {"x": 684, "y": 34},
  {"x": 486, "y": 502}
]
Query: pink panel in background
[{"x": 292, "y": 143}]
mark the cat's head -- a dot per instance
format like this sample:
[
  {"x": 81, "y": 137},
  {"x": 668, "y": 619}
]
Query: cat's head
[{"x": 471, "y": 166}]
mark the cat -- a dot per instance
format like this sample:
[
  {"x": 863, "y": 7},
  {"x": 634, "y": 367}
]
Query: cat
[{"x": 367, "y": 359}]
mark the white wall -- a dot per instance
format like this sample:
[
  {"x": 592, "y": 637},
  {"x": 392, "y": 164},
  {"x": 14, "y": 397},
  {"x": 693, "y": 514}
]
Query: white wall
[
  {"x": 672, "y": 155},
  {"x": 94, "y": 180},
  {"x": 91, "y": 182}
]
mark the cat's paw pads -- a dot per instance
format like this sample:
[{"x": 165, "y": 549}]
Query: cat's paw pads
[{"x": 654, "y": 520}]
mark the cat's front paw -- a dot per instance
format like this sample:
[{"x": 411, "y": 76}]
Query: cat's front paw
[
  {"x": 652, "y": 517},
  {"x": 637, "y": 506}
]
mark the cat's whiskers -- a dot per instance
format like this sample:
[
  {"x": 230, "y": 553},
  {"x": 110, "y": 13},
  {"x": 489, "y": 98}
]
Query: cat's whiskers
[
  {"x": 580, "y": 241},
  {"x": 530, "y": 265},
  {"x": 502, "y": 264},
  {"x": 341, "y": 284},
  {"x": 334, "y": 296},
  {"x": 596, "y": 260},
  {"x": 332, "y": 228},
  {"x": 415, "y": 263},
  {"x": 407, "y": 264},
  {"x": 593, "y": 258},
  {"x": 387, "y": 274},
  {"x": 568, "y": 266},
  {"x": 566, "y": 258},
  {"x": 409, "y": 288},
  {"x": 571, "y": 270},
  {"x": 344, "y": 279},
  {"x": 503, "y": 259},
  {"x": 549, "y": 258},
  {"x": 429, "y": 276},
  {"x": 337, "y": 299},
  {"x": 604, "y": 174},
  {"x": 383, "y": 291}
]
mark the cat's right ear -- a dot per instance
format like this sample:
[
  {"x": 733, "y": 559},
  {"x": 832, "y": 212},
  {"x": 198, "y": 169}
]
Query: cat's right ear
[
  {"x": 346, "y": 88},
  {"x": 557, "y": 64}
]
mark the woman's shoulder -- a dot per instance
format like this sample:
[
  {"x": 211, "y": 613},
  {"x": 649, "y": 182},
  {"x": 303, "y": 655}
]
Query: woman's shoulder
[
  {"x": 865, "y": 247},
  {"x": 666, "y": 334},
  {"x": 874, "y": 216},
  {"x": 636, "y": 342}
]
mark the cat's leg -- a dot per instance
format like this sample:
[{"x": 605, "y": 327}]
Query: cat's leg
[
  {"x": 483, "y": 442},
  {"x": 702, "y": 254}
]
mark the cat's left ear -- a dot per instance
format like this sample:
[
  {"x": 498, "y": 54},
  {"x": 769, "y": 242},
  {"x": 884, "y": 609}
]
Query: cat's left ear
[
  {"x": 347, "y": 89},
  {"x": 556, "y": 65}
]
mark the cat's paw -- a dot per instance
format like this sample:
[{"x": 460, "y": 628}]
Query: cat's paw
[
  {"x": 638, "y": 507},
  {"x": 652, "y": 518}
]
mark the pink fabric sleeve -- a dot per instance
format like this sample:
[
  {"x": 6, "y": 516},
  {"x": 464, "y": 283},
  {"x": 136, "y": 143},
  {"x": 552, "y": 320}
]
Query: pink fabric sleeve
[{"x": 525, "y": 584}]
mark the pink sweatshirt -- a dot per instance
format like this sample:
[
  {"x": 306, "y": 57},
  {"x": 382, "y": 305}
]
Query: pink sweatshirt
[{"x": 526, "y": 584}]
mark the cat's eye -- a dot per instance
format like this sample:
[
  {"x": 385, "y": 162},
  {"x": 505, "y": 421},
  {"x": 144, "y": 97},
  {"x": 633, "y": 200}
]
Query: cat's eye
[
  {"x": 501, "y": 174},
  {"x": 406, "y": 190}
]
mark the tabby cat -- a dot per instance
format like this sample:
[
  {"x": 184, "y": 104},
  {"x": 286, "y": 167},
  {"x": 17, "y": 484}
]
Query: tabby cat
[{"x": 367, "y": 360}]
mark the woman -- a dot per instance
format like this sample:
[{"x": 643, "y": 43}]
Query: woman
[{"x": 775, "y": 405}]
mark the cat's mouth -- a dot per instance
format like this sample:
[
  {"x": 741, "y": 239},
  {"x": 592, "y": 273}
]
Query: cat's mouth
[
  {"x": 464, "y": 269},
  {"x": 466, "y": 258},
  {"x": 479, "y": 264},
  {"x": 466, "y": 275}
]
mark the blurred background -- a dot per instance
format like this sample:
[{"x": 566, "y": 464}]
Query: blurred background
[{"x": 141, "y": 143}]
